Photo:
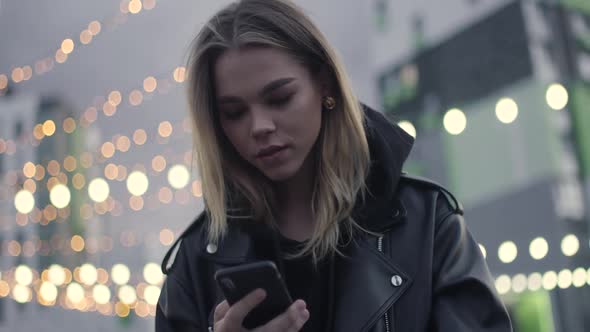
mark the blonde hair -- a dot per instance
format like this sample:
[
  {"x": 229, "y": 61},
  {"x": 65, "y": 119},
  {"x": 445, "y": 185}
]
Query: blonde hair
[{"x": 230, "y": 184}]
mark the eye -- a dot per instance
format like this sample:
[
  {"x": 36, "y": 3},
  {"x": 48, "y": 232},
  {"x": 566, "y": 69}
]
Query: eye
[
  {"x": 232, "y": 114},
  {"x": 280, "y": 101}
]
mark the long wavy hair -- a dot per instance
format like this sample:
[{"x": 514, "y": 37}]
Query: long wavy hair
[{"x": 232, "y": 188}]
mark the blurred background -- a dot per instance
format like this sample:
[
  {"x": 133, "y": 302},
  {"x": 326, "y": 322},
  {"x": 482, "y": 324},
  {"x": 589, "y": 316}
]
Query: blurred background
[{"x": 96, "y": 179}]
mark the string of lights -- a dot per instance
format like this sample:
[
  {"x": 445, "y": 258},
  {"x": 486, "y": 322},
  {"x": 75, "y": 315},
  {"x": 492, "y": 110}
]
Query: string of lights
[
  {"x": 137, "y": 181},
  {"x": 117, "y": 144},
  {"x": 86, "y": 160},
  {"x": 107, "y": 104},
  {"x": 455, "y": 120},
  {"x": 87, "y": 288},
  {"x": 90, "y": 289},
  {"x": 43, "y": 65}
]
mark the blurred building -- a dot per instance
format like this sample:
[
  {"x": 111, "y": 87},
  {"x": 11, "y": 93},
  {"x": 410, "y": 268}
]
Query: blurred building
[
  {"x": 16, "y": 117},
  {"x": 498, "y": 104}
]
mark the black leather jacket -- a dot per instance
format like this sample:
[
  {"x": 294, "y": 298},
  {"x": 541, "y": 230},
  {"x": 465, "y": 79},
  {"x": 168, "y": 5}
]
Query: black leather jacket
[{"x": 423, "y": 272}]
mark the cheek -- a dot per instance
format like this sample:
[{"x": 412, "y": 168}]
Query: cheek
[{"x": 234, "y": 135}]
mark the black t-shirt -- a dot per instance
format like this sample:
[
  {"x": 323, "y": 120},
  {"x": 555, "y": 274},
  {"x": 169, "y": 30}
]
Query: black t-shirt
[{"x": 309, "y": 283}]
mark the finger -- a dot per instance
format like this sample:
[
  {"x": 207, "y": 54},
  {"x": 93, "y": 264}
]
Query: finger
[
  {"x": 220, "y": 311},
  {"x": 240, "y": 309},
  {"x": 292, "y": 320}
]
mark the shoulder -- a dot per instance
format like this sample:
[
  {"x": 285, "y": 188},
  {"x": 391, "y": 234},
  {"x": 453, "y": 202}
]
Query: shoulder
[
  {"x": 192, "y": 236},
  {"x": 428, "y": 189}
]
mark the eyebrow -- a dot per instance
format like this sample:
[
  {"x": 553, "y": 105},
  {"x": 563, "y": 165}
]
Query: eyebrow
[{"x": 266, "y": 90}]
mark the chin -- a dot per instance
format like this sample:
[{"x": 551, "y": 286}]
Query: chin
[{"x": 280, "y": 174}]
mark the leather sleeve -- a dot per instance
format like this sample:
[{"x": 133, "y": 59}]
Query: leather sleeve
[
  {"x": 464, "y": 296},
  {"x": 177, "y": 309}
]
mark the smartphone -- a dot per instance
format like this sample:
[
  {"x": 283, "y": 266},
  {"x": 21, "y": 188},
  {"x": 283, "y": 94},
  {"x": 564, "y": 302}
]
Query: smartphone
[{"x": 238, "y": 281}]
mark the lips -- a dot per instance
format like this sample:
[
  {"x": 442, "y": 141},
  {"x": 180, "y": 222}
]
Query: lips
[{"x": 269, "y": 151}]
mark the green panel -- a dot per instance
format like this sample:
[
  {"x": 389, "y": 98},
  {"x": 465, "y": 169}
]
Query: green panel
[
  {"x": 582, "y": 6},
  {"x": 533, "y": 313},
  {"x": 491, "y": 158},
  {"x": 580, "y": 108}
]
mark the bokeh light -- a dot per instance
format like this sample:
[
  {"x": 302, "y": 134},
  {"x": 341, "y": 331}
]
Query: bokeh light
[
  {"x": 69, "y": 125},
  {"x": 101, "y": 294},
  {"x": 150, "y": 84},
  {"x": 24, "y": 201},
  {"x": 557, "y": 96},
  {"x": 455, "y": 121},
  {"x": 60, "y": 56},
  {"x": 75, "y": 292},
  {"x": 503, "y": 284},
  {"x": 165, "y": 129},
  {"x": 85, "y": 37},
  {"x": 17, "y": 75},
  {"x": 137, "y": 183},
  {"x": 94, "y": 27},
  {"x": 29, "y": 169},
  {"x": 153, "y": 274},
  {"x": 120, "y": 274},
  {"x": 579, "y": 277},
  {"x": 519, "y": 283},
  {"x": 179, "y": 74},
  {"x": 23, "y": 275},
  {"x": 67, "y": 46},
  {"x": 506, "y": 110},
  {"x": 570, "y": 245},
  {"x": 127, "y": 294},
  {"x": 48, "y": 128},
  {"x": 158, "y": 163},
  {"x": 539, "y": 248},
  {"x": 56, "y": 275},
  {"x": 151, "y": 294},
  {"x": 507, "y": 252},
  {"x": 564, "y": 279},
  {"x": 166, "y": 237},
  {"x": 139, "y": 137},
  {"x": 408, "y": 127},
  {"x": 135, "y": 97},
  {"x": 135, "y": 6},
  {"x": 60, "y": 196},
  {"x": 98, "y": 190},
  {"x": 77, "y": 243},
  {"x": 550, "y": 280},
  {"x": 88, "y": 274},
  {"x": 21, "y": 294},
  {"x": 48, "y": 291},
  {"x": 178, "y": 176},
  {"x": 535, "y": 281}
]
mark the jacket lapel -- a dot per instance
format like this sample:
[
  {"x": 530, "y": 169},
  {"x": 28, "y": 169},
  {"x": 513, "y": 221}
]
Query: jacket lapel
[
  {"x": 244, "y": 242},
  {"x": 363, "y": 287}
]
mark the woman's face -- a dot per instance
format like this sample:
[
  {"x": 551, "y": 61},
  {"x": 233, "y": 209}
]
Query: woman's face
[{"x": 269, "y": 108}]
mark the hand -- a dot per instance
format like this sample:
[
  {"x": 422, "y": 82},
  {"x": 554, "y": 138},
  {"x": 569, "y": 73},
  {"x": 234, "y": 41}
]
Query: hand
[{"x": 229, "y": 318}]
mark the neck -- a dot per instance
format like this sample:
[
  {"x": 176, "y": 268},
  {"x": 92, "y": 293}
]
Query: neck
[{"x": 294, "y": 197}]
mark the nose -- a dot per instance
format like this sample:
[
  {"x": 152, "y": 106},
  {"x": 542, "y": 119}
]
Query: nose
[{"x": 262, "y": 124}]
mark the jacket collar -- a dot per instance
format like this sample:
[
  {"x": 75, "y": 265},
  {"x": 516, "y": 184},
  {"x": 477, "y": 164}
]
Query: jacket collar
[{"x": 389, "y": 147}]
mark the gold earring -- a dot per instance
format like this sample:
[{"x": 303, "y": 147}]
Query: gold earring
[{"x": 329, "y": 103}]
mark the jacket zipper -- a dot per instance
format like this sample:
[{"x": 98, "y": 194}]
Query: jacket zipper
[{"x": 380, "y": 248}]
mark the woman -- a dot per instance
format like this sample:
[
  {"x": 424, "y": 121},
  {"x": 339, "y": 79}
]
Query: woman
[{"x": 296, "y": 171}]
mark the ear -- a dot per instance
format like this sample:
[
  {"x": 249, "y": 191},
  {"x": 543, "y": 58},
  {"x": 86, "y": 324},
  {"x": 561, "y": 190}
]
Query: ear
[{"x": 326, "y": 82}]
